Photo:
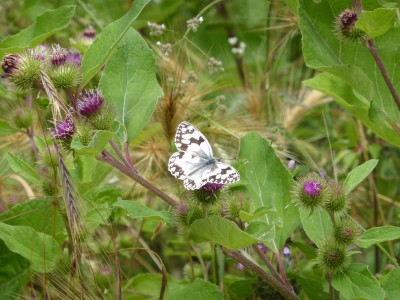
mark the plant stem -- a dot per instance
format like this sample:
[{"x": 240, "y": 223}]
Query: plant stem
[
  {"x": 267, "y": 263},
  {"x": 282, "y": 270},
  {"x": 108, "y": 158},
  {"x": 331, "y": 290},
  {"x": 370, "y": 44},
  {"x": 281, "y": 288}
]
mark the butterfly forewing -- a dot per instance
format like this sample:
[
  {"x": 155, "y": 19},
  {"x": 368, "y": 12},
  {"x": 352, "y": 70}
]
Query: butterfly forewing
[{"x": 189, "y": 139}]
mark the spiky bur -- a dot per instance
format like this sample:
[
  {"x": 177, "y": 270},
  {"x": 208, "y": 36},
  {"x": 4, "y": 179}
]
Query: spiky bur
[
  {"x": 333, "y": 257},
  {"x": 104, "y": 119},
  {"x": 49, "y": 188},
  {"x": 194, "y": 213},
  {"x": 21, "y": 69},
  {"x": 66, "y": 75},
  {"x": 236, "y": 203},
  {"x": 310, "y": 192},
  {"x": 346, "y": 232},
  {"x": 208, "y": 193},
  {"x": 339, "y": 200},
  {"x": 84, "y": 132},
  {"x": 63, "y": 131},
  {"x": 23, "y": 118},
  {"x": 345, "y": 26},
  {"x": 49, "y": 157}
]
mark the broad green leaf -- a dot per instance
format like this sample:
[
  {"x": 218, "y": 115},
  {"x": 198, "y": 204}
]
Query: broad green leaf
[
  {"x": 96, "y": 216},
  {"x": 324, "y": 51},
  {"x": 40, "y": 214},
  {"x": 377, "y": 22},
  {"x": 14, "y": 273},
  {"x": 239, "y": 288},
  {"x": 359, "y": 174},
  {"x": 311, "y": 285},
  {"x": 259, "y": 212},
  {"x": 129, "y": 82},
  {"x": 221, "y": 231},
  {"x": 99, "y": 141},
  {"x": 23, "y": 169},
  {"x": 136, "y": 211},
  {"x": 378, "y": 235},
  {"x": 262, "y": 232},
  {"x": 269, "y": 184},
  {"x": 45, "y": 25},
  {"x": 104, "y": 44},
  {"x": 317, "y": 225},
  {"x": 199, "y": 289},
  {"x": 41, "y": 250},
  {"x": 357, "y": 282},
  {"x": 391, "y": 284}
]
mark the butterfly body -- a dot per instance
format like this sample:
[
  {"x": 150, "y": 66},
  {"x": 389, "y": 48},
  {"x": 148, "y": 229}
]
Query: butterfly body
[{"x": 194, "y": 163}]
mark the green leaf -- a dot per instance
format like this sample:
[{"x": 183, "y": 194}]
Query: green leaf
[
  {"x": 133, "y": 88},
  {"x": 317, "y": 225},
  {"x": 199, "y": 289},
  {"x": 359, "y": 174},
  {"x": 259, "y": 212},
  {"x": 96, "y": 216},
  {"x": 324, "y": 51},
  {"x": 377, "y": 22},
  {"x": 378, "y": 235},
  {"x": 391, "y": 284},
  {"x": 136, "y": 211},
  {"x": 6, "y": 128},
  {"x": 99, "y": 141},
  {"x": 104, "y": 44},
  {"x": 45, "y": 25},
  {"x": 14, "y": 273},
  {"x": 262, "y": 232},
  {"x": 41, "y": 250},
  {"x": 220, "y": 231},
  {"x": 38, "y": 214},
  {"x": 43, "y": 103},
  {"x": 357, "y": 282},
  {"x": 269, "y": 184},
  {"x": 23, "y": 169}
]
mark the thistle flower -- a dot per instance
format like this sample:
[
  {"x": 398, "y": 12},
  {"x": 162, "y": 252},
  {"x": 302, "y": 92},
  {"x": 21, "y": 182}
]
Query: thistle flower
[
  {"x": 193, "y": 24},
  {"x": 75, "y": 58},
  {"x": 41, "y": 52},
  {"x": 89, "y": 33},
  {"x": 333, "y": 257},
  {"x": 208, "y": 193},
  {"x": 22, "y": 69},
  {"x": 310, "y": 192},
  {"x": 63, "y": 129},
  {"x": 346, "y": 232},
  {"x": 345, "y": 26},
  {"x": 339, "y": 201},
  {"x": 286, "y": 252},
  {"x": 58, "y": 56},
  {"x": 91, "y": 103},
  {"x": 156, "y": 29},
  {"x": 291, "y": 164}
]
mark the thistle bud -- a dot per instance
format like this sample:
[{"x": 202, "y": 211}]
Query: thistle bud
[
  {"x": 236, "y": 203},
  {"x": 346, "y": 232},
  {"x": 339, "y": 200},
  {"x": 22, "y": 69},
  {"x": 89, "y": 33},
  {"x": 310, "y": 192},
  {"x": 75, "y": 58},
  {"x": 345, "y": 26},
  {"x": 49, "y": 157},
  {"x": 84, "y": 132},
  {"x": 65, "y": 76},
  {"x": 49, "y": 188},
  {"x": 23, "y": 118},
  {"x": 58, "y": 56},
  {"x": 194, "y": 214},
  {"x": 333, "y": 257},
  {"x": 64, "y": 129}
]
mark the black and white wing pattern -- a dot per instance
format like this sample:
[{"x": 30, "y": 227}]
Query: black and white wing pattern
[{"x": 194, "y": 163}]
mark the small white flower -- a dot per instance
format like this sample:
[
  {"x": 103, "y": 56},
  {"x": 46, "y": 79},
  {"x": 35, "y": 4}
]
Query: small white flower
[{"x": 232, "y": 40}]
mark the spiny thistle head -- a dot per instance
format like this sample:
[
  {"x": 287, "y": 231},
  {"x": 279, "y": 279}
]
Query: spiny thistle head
[
  {"x": 333, "y": 257},
  {"x": 49, "y": 188},
  {"x": 236, "y": 203},
  {"x": 84, "y": 132},
  {"x": 194, "y": 213},
  {"x": 339, "y": 200},
  {"x": 182, "y": 213},
  {"x": 208, "y": 193},
  {"x": 75, "y": 58},
  {"x": 346, "y": 232},
  {"x": 90, "y": 103},
  {"x": 345, "y": 26},
  {"x": 49, "y": 157},
  {"x": 63, "y": 129},
  {"x": 65, "y": 76},
  {"x": 58, "y": 56},
  {"x": 22, "y": 69},
  {"x": 104, "y": 119},
  {"x": 310, "y": 192},
  {"x": 89, "y": 33},
  {"x": 42, "y": 52}
]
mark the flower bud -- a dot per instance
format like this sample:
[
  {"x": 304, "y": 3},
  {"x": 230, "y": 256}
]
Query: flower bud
[
  {"x": 346, "y": 232},
  {"x": 310, "y": 192},
  {"x": 104, "y": 119},
  {"x": 339, "y": 200},
  {"x": 10, "y": 64},
  {"x": 58, "y": 56},
  {"x": 49, "y": 157},
  {"x": 74, "y": 58},
  {"x": 84, "y": 132},
  {"x": 208, "y": 193},
  {"x": 49, "y": 188},
  {"x": 65, "y": 76},
  {"x": 194, "y": 214},
  {"x": 345, "y": 26},
  {"x": 236, "y": 203},
  {"x": 333, "y": 257}
]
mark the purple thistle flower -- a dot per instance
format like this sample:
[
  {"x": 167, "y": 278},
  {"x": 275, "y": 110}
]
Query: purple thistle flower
[
  {"x": 10, "y": 64},
  {"x": 91, "y": 102},
  {"x": 41, "y": 52},
  {"x": 59, "y": 56},
  {"x": 348, "y": 18},
  {"x": 312, "y": 188},
  {"x": 291, "y": 164},
  {"x": 286, "y": 252},
  {"x": 212, "y": 188},
  {"x": 74, "y": 58},
  {"x": 262, "y": 247},
  {"x": 63, "y": 129}
]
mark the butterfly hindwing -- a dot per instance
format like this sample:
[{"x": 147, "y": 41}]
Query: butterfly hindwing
[{"x": 223, "y": 174}]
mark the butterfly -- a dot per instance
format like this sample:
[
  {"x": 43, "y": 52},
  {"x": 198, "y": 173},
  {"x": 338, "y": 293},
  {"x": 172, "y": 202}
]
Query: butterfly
[{"x": 194, "y": 163}]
